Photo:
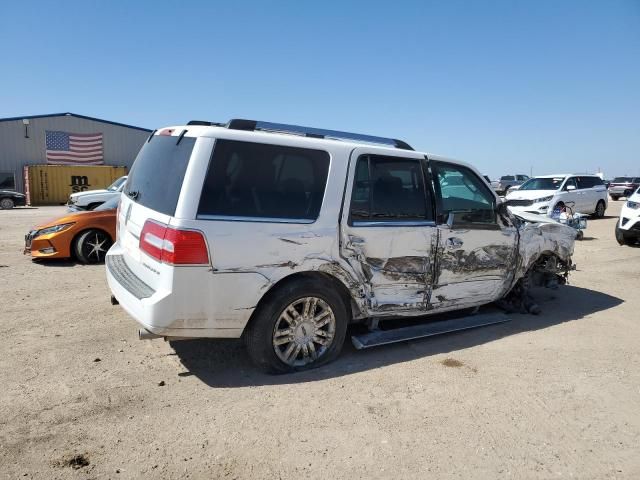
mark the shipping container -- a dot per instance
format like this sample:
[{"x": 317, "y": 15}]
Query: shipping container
[{"x": 52, "y": 184}]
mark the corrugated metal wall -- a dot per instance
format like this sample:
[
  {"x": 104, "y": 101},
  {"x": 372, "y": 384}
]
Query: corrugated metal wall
[
  {"x": 121, "y": 144},
  {"x": 52, "y": 184}
]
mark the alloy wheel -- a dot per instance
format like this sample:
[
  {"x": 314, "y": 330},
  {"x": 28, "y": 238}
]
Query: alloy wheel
[{"x": 304, "y": 331}]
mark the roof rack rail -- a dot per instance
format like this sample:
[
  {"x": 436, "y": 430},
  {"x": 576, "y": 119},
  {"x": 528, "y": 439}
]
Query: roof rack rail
[
  {"x": 206, "y": 124},
  {"x": 255, "y": 125}
]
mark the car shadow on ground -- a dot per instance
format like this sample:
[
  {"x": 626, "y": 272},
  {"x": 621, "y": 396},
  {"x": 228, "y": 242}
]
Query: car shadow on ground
[
  {"x": 56, "y": 262},
  {"x": 224, "y": 363}
]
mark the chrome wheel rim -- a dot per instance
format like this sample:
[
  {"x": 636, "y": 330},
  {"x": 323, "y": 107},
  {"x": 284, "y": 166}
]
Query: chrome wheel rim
[
  {"x": 304, "y": 331},
  {"x": 6, "y": 203}
]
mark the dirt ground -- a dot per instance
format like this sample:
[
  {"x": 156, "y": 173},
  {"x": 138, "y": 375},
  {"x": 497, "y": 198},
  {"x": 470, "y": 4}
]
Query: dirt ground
[{"x": 553, "y": 396}]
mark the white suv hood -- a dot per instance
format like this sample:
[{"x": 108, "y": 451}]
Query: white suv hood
[{"x": 529, "y": 194}]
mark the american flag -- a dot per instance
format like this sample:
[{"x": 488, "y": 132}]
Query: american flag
[{"x": 65, "y": 148}]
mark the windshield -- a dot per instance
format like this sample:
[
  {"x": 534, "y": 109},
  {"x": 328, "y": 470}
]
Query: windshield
[
  {"x": 622, "y": 180},
  {"x": 109, "y": 204},
  {"x": 115, "y": 185},
  {"x": 547, "y": 183}
]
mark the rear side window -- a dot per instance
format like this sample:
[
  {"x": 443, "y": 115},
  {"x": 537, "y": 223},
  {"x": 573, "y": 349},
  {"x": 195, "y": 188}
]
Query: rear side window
[
  {"x": 589, "y": 182},
  {"x": 156, "y": 177},
  {"x": 389, "y": 189},
  {"x": 507, "y": 178},
  {"x": 258, "y": 180}
]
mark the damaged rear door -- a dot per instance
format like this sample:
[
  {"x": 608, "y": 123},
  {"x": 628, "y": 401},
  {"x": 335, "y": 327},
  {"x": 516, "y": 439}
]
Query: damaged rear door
[
  {"x": 388, "y": 233},
  {"x": 477, "y": 248}
]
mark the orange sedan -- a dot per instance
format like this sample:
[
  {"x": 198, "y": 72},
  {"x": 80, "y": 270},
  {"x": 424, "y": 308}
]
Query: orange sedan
[{"x": 85, "y": 235}]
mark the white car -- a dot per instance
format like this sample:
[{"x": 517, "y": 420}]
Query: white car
[
  {"x": 283, "y": 235},
  {"x": 628, "y": 226},
  {"x": 90, "y": 199},
  {"x": 586, "y": 194}
]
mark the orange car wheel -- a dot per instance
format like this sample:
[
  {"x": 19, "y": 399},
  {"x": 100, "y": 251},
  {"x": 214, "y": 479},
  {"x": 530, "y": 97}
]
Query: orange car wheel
[{"x": 92, "y": 246}]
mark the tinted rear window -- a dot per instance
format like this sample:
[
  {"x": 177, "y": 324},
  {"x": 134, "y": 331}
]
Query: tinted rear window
[
  {"x": 622, "y": 180},
  {"x": 588, "y": 182},
  {"x": 507, "y": 177},
  {"x": 264, "y": 181},
  {"x": 157, "y": 174}
]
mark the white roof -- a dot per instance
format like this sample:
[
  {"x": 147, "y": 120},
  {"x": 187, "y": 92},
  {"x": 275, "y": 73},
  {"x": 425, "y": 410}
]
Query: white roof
[
  {"x": 562, "y": 175},
  {"x": 290, "y": 138}
]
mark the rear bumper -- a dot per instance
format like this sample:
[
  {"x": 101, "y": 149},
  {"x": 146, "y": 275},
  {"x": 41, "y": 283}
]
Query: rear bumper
[
  {"x": 154, "y": 310},
  {"x": 620, "y": 191}
]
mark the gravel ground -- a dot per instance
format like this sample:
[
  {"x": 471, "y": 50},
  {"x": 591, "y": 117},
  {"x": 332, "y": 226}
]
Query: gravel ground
[{"x": 553, "y": 396}]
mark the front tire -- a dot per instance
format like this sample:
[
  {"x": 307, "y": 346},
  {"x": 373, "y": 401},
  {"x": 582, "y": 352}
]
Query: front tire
[
  {"x": 600, "y": 209},
  {"x": 301, "y": 326},
  {"x": 6, "y": 204},
  {"x": 92, "y": 246}
]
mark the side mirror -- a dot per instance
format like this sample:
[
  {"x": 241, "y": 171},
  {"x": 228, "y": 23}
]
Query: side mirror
[{"x": 570, "y": 187}]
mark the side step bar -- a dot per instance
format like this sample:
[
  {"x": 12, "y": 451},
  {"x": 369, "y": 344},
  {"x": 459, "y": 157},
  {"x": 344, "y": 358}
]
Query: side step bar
[{"x": 402, "y": 334}]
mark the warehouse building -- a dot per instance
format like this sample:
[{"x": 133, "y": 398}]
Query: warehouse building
[{"x": 64, "y": 139}]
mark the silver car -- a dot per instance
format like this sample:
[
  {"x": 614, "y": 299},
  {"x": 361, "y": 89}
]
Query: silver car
[{"x": 507, "y": 182}]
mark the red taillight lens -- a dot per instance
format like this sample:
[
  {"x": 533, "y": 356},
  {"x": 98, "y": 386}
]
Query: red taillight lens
[
  {"x": 184, "y": 247},
  {"x": 173, "y": 246}
]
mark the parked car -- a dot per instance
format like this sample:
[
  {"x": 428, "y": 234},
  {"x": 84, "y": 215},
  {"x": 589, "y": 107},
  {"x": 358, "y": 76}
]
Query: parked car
[
  {"x": 90, "y": 199},
  {"x": 83, "y": 235},
  {"x": 283, "y": 235},
  {"x": 508, "y": 182},
  {"x": 628, "y": 226},
  {"x": 623, "y": 187},
  {"x": 11, "y": 198},
  {"x": 585, "y": 194}
]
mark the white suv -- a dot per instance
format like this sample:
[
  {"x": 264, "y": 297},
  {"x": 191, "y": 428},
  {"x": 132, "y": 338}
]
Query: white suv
[
  {"x": 90, "y": 199},
  {"x": 585, "y": 194},
  {"x": 284, "y": 235}
]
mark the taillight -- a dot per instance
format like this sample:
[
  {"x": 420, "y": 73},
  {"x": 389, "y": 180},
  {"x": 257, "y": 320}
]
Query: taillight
[{"x": 173, "y": 246}]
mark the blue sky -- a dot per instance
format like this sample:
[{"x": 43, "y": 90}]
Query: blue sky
[{"x": 506, "y": 85}]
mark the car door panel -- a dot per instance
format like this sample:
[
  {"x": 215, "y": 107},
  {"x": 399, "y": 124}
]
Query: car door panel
[
  {"x": 394, "y": 256},
  {"x": 476, "y": 256}
]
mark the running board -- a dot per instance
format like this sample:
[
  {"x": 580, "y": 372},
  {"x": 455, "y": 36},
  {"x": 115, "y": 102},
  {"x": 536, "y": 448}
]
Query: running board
[{"x": 402, "y": 334}]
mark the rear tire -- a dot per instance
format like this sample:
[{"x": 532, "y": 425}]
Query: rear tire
[
  {"x": 615, "y": 197},
  {"x": 300, "y": 326},
  {"x": 92, "y": 246},
  {"x": 600, "y": 209},
  {"x": 6, "y": 204}
]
